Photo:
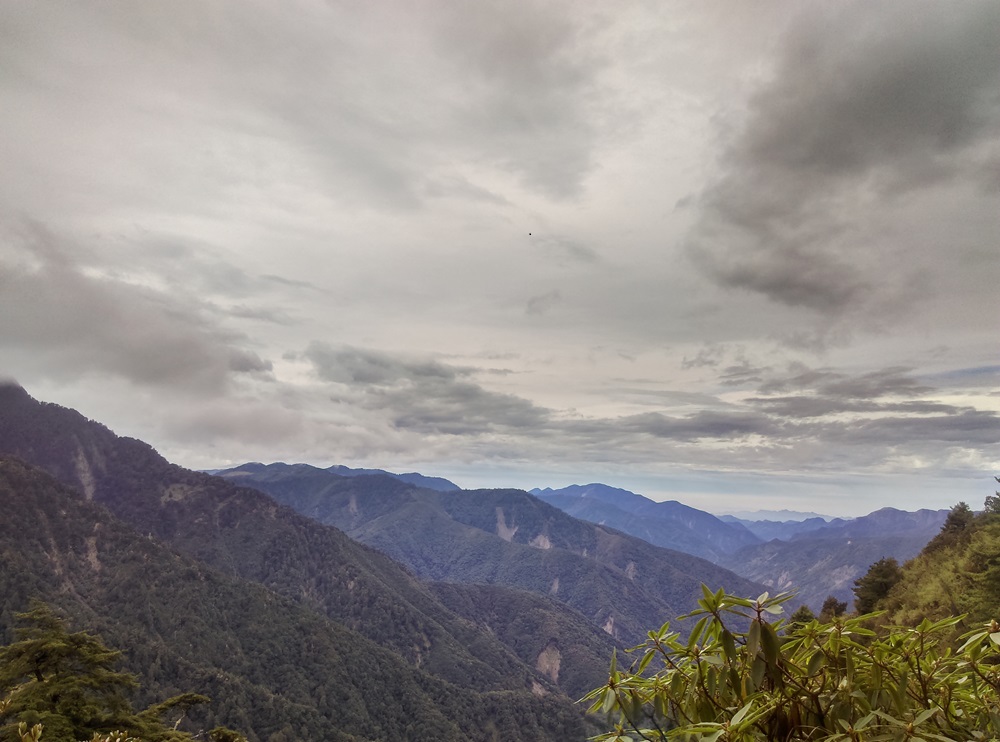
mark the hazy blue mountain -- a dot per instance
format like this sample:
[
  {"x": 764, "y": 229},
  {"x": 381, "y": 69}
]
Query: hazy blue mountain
[
  {"x": 827, "y": 560},
  {"x": 670, "y": 524},
  {"x": 775, "y": 515},
  {"x": 620, "y": 583},
  {"x": 766, "y": 530},
  {"x": 419, "y": 480}
]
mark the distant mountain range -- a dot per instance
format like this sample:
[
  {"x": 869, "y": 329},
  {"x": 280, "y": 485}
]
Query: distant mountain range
[
  {"x": 826, "y": 560},
  {"x": 669, "y": 524},
  {"x": 414, "y": 478},
  {"x": 620, "y": 583},
  {"x": 775, "y": 515},
  {"x": 768, "y": 530},
  {"x": 814, "y": 557}
]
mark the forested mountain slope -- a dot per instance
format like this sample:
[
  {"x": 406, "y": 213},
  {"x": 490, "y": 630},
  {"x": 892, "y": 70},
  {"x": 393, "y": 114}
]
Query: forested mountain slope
[
  {"x": 826, "y": 561},
  {"x": 620, "y": 583},
  {"x": 670, "y": 524},
  {"x": 958, "y": 572},
  {"x": 275, "y": 669},
  {"x": 245, "y": 534}
]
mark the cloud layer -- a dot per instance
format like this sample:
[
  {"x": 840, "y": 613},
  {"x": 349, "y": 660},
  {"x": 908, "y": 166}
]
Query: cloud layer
[{"x": 703, "y": 253}]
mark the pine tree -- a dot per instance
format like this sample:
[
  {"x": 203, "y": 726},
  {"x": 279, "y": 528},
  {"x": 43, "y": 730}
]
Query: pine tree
[
  {"x": 801, "y": 617},
  {"x": 832, "y": 608},
  {"x": 67, "y": 683},
  {"x": 876, "y": 584}
]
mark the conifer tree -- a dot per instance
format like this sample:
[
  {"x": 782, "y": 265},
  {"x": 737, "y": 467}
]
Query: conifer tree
[
  {"x": 67, "y": 683},
  {"x": 876, "y": 584}
]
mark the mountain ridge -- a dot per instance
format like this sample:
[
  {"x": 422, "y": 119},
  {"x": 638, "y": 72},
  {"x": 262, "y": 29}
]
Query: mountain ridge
[
  {"x": 669, "y": 524},
  {"x": 275, "y": 669},
  {"x": 244, "y": 533},
  {"x": 619, "y": 582}
]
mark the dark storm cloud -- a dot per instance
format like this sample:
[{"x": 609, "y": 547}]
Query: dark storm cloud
[
  {"x": 58, "y": 308},
  {"x": 868, "y": 101},
  {"x": 423, "y": 395}
]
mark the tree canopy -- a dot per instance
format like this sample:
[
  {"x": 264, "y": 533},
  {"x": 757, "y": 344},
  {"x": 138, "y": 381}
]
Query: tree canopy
[{"x": 875, "y": 585}]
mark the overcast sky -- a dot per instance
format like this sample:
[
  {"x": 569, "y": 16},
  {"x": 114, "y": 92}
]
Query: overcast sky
[{"x": 744, "y": 255}]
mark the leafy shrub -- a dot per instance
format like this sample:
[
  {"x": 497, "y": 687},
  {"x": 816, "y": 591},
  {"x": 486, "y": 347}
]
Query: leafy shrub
[{"x": 840, "y": 680}]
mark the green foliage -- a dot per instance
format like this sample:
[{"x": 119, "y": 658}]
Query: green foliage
[
  {"x": 957, "y": 573},
  {"x": 802, "y": 616},
  {"x": 832, "y": 608},
  {"x": 66, "y": 683},
  {"x": 992, "y": 504},
  {"x": 223, "y": 734},
  {"x": 875, "y": 585},
  {"x": 841, "y": 680},
  {"x": 955, "y": 526}
]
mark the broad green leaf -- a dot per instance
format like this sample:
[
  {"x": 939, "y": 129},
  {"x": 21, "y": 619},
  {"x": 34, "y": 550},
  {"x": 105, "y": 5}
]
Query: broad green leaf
[{"x": 816, "y": 662}]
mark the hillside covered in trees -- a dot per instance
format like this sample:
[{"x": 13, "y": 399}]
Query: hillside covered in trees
[{"x": 294, "y": 630}]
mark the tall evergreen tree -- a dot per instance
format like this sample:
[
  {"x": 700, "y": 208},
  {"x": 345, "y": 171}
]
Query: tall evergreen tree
[
  {"x": 67, "y": 683},
  {"x": 832, "y": 608},
  {"x": 876, "y": 584}
]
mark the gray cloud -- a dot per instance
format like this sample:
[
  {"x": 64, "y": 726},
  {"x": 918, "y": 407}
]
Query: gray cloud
[
  {"x": 222, "y": 183},
  {"x": 702, "y": 425},
  {"x": 543, "y": 302},
  {"x": 370, "y": 367},
  {"x": 423, "y": 395},
  {"x": 707, "y": 356},
  {"x": 564, "y": 250},
  {"x": 867, "y": 103},
  {"x": 742, "y": 373},
  {"x": 529, "y": 103},
  {"x": 963, "y": 429},
  {"x": 827, "y": 382},
  {"x": 57, "y": 307},
  {"x": 809, "y": 406}
]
